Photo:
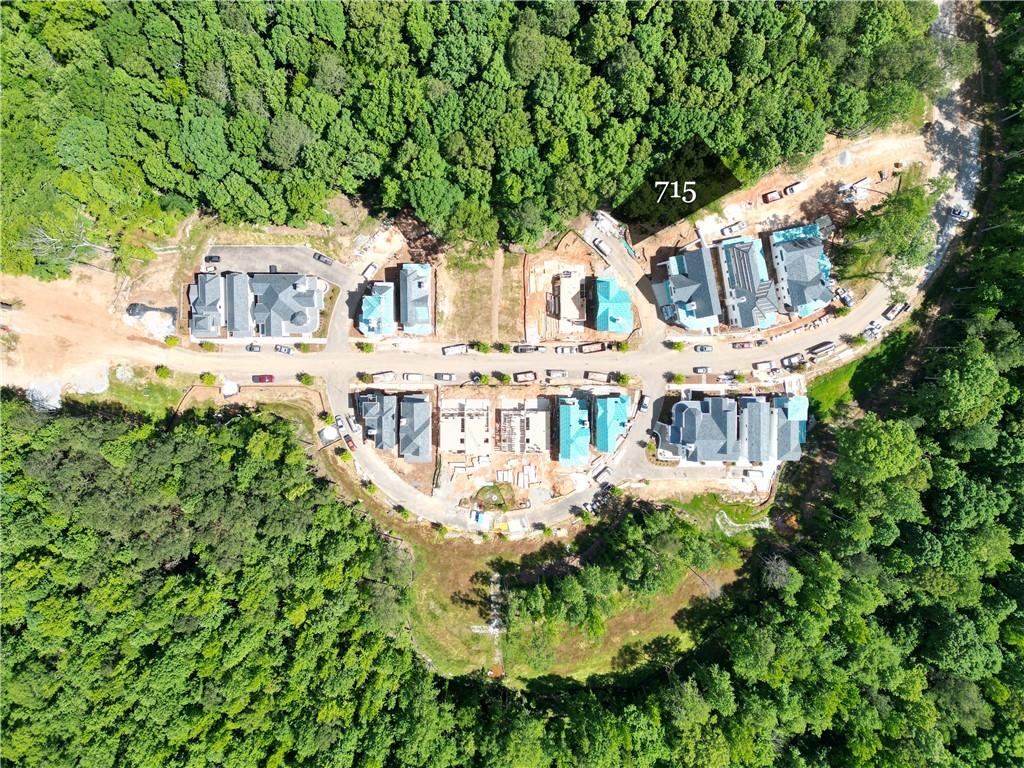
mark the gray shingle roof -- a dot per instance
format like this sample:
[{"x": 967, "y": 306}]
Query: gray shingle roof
[
  {"x": 414, "y": 296},
  {"x": 802, "y": 282},
  {"x": 205, "y": 301},
  {"x": 286, "y": 303},
  {"x": 725, "y": 429},
  {"x": 709, "y": 429},
  {"x": 414, "y": 429},
  {"x": 753, "y": 298},
  {"x": 756, "y": 429},
  {"x": 236, "y": 303},
  {"x": 695, "y": 284},
  {"x": 378, "y": 412}
]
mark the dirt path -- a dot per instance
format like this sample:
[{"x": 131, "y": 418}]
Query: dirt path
[{"x": 497, "y": 269}]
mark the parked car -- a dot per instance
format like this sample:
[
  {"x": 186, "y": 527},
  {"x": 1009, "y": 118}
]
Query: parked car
[
  {"x": 742, "y": 344},
  {"x": 524, "y": 376},
  {"x": 557, "y": 373},
  {"x": 597, "y": 376},
  {"x": 645, "y": 403},
  {"x": 283, "y": 349},
  {"x": 339, "y": 422},
  {"x": 726, "y": 377},
  {"x": 565, "y": 350},
  {"x": 702, "y": 369},
  {"x": 602, "y": 247},
  {"x": 455, "y": 349},
  {"x": 354, "y": 425},
  {"x": 212, "y": 259},
  {"x": 350, "y": 442},
  {"x": 702, "y": 348},
  {"x": 761, "y": 343},
  {"x": 735, "y": 227},
  {"x": 771, "y": 197},
  {"x": 523, "y": 348},
  {"x": 593, "y": 346},
  {"x": 895, "y": 310},
  {"x": 959, "y": 213},
  {"x": 322, "y": 258},
  {"x": 795, "y": 187},
  {"x": 209, "y": 268},
  {"x": 252, "y": 347},
  {"x": 764, "y": 365},
  {"x": 412, "y": 376},
  {"x": 370, "y": 271},
  {"x": 444, "y": 376},
  {"x": 263, "y": 378}
]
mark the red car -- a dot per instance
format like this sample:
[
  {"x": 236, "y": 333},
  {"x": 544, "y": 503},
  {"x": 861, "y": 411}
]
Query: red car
[
  {"x": 350, "y": 442},
  {"x": 265, "y": 378}
]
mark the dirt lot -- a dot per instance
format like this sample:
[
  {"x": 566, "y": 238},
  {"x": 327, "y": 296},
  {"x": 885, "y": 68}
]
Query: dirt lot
[
  {"x": 841, "y": 160},
  {"x": 68, "y": 328},
  {"x": 481, "y": 304}
]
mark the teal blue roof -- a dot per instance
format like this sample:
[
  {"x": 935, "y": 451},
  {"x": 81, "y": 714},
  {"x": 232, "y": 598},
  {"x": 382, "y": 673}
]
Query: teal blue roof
[
  {"x": 377, "y": 312},
  {"x": 573, "y": 431},
  {"x": 614, "y": 308},
  {"x": 610, "y": 420}
]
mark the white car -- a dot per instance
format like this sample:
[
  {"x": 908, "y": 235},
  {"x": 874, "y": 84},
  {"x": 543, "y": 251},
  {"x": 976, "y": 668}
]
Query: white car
[
  {"x": 735, "y": 227},
  {"x": 283, "y": 349},
  {"x": 602, "y": 247},
  {"x": 565, "y": 350},
  {"x": 444, "y": 376},
  {"x": 557, "y": 373},
  {"x": 959, "y": 213},
  {"x": 412, "y": 376},
  {"x": 370, "y": 271}
]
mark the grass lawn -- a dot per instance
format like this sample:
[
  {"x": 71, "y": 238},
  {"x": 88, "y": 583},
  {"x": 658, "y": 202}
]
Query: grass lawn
[
  {"x": 701, "y": 510},
  {"x": 144, "y": 393},
  {"x": 856, "y": 379},
  {"x": 510, "y": 318}
]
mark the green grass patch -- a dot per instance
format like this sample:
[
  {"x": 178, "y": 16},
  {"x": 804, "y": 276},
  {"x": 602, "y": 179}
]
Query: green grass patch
[
  {"x": 701, "y": 510},
  {"x": 143, "y": 394},
  {"x": 857, "y": 379}
]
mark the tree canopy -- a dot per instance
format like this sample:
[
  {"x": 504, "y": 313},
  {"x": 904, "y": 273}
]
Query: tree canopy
[{"x": 488, "y": 119}]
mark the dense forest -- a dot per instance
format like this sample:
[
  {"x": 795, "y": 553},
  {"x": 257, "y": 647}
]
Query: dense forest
[
  {"x": 189, "y": 594},
  {"x": 488, "y": 119}
]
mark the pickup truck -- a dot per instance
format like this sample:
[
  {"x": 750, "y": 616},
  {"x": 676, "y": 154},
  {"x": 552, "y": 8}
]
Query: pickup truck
[
  {"x": 383, "y": 376},
  {"x": 524, "y": 376},
  {"x": 645, "y": 403},
  {"x": 557, "y": 373},
  {"x": 765, "y": 365},
  {"x": 771, "y": 197},
  {"x": 412, "y": 376},
  {"x": 742, "y": 344},
  {"x": 733, "y": 228},
  {"x": 455, "y": 349},
  {"x": 322, "y": 258},
  {"x": 795, "y": 187},
  {"x": 592, "y": 346},
  {"x": 444, "y": 376},
  {"x": 370, "y": 271},
  {"x": 602, "y": 247},
  {"x": 597, "y": 376}
]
